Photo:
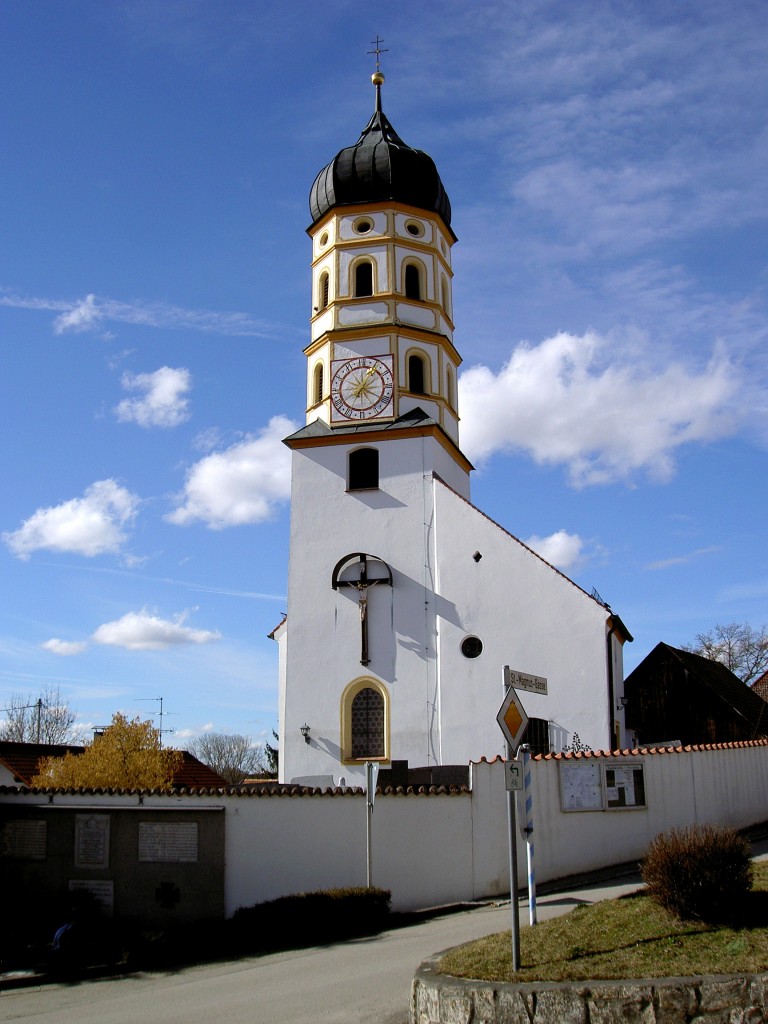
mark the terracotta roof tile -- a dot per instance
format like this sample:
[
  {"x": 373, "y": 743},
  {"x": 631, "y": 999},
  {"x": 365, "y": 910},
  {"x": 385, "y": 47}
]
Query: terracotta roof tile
[{"x": 23, "y": 760}]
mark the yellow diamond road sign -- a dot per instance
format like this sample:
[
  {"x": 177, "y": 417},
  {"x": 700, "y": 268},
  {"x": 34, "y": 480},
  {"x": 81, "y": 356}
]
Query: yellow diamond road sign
[{"x": 512, "y": 719}]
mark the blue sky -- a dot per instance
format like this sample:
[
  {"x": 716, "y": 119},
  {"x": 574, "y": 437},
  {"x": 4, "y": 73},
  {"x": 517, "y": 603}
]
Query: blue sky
[{"x": 606, "y": 164}]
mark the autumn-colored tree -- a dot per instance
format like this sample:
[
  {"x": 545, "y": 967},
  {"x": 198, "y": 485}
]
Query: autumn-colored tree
[{"x": 127, "y": 755}]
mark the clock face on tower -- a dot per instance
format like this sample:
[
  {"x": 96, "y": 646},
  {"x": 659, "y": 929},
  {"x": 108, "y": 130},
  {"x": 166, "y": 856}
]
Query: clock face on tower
[{"x": 362, "y": 388}]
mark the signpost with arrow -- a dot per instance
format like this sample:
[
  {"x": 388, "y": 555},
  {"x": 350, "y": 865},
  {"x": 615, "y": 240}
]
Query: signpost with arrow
[{"x": 513, "y": 722}]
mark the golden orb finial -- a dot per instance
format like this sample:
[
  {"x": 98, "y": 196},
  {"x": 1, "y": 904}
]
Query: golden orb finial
[{"x": 377, "y": 78}]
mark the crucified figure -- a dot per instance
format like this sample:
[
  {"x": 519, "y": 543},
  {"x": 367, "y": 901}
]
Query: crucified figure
[{"x": 362, "y": 585}]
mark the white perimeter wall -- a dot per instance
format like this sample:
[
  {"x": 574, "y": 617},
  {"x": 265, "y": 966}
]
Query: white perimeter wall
[{"x": 432, "y": 849}]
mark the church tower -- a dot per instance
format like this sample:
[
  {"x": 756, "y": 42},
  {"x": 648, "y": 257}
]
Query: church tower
[
  {"x": 381, "y": 327},
  {"x": 404, "y": 601}
]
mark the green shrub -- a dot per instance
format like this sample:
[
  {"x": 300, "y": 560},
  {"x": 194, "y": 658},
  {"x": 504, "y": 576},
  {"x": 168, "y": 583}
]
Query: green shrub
[
  {"x": 308, "y": 918},
  {"x": 701, "y": 872}
]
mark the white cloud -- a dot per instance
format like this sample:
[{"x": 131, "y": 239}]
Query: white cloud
[
  {"x": 91, "y": 313},
  {"x": 667, "y": 563},
  {"x": 575, "y": 401},
  {"x": 243, "y": 484},
  {"x": 65, "y": 648},
  {"x": 91, "y": 525},
  {"x": 142, "y": 631},
  {"x": 563, "y": 550},
  {"x": 83, "y": 316},
  {"x": 163, "y": 401}
]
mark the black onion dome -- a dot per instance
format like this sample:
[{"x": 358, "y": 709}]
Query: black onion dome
[{"x": 379, "y": 168}]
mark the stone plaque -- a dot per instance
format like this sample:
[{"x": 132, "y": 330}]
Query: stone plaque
[
  {"x": 168, "y": 841},
  {"x": 92, "y": 840},
  {"x": 24, "y": 840}
]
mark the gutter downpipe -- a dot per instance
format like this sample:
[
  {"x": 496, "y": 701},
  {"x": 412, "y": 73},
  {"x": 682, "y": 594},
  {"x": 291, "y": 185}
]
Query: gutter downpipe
[{"x": 611, "y": 691}]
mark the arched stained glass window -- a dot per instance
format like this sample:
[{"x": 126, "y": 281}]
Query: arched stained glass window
[{"x": 367, "y": 725}]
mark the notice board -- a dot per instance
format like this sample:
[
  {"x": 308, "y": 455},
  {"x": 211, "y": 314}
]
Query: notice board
[{"x": 601, "y": 786}]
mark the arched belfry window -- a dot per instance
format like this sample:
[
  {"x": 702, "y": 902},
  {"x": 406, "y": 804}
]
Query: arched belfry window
[
  {"x": 317, "y": 384},
  {"x": 324, "y": 290},
  {"x": 444, "y": 294},
  {"x": 365, "y": 722},
  {"x": 450, "y": 392},
  {"x": 417, "y": 375},
  {"x": 413, "y": 289},
  {"x": 363, "y": 278},
  {"x": 363, "y": 469}
]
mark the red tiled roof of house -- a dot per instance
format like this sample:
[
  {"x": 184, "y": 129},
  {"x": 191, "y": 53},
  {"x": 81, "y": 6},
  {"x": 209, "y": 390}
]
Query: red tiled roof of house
[{"x": 23, "y": 760}]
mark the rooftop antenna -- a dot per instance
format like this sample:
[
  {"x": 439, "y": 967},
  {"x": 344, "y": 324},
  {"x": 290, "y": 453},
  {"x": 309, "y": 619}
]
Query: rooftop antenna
[
  {"x": 159, "y": 714},
  {"x": 378, "y": 76}
]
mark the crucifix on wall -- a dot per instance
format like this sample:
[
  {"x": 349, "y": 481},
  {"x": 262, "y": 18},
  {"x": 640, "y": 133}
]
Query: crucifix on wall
[{"x": 353, "y": 571}]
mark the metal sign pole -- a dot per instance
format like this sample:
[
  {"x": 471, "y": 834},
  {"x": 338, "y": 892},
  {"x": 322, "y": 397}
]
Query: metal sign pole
[
  {"x": 528, "y": 788},
  {"x": 513, "y": 888},
  {"x": 371, "y": 775}
]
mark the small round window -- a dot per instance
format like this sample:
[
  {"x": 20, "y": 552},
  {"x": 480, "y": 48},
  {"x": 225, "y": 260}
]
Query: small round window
[
  {"x": 414, "y": 228},
  {"x": 363, "y": 226},
  {"x": 471, "y": 646},
  {"x": 323, "y": 239}
]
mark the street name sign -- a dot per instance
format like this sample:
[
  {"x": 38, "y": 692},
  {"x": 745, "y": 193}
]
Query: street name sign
[
  {"x": 512, "y": 719},
  {"x": 525, "y": 681}
]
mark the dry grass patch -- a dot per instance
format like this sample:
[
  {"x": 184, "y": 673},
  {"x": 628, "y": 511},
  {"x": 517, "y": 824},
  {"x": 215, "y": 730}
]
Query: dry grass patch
[{"x": 630, "y": 937}]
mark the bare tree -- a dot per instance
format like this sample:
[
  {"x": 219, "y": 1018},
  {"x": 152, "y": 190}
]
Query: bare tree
[
  {"x": 46, "y": 718},
  {"x": 738, "y": 646},
  {"x": 233, "y": 756}
]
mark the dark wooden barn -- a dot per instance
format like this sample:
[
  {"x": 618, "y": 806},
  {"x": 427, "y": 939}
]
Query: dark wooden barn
[{"x": 676, "y": 695}]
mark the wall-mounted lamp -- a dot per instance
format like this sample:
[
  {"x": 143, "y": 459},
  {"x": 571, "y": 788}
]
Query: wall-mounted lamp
[
  {"x": 622, "y": 703},
  {"x": 305, "y": 732}
]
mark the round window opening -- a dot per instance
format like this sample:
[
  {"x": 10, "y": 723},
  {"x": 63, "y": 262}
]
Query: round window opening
[
  {"x": 324, "y": 239},
  {"x": 413, "y": 228},
  {"x": 363, "y": 226},
  {"x": 471, "y": 646}
]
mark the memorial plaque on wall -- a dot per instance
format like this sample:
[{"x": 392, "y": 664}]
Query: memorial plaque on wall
[
  {"x": 168, "y": 842},
  {"x": 92, "y": 840},
  {"x": 23, "y": 840}
]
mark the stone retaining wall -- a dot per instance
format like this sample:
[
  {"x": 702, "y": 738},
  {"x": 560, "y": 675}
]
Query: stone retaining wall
[{"x": 712, "y": 999}]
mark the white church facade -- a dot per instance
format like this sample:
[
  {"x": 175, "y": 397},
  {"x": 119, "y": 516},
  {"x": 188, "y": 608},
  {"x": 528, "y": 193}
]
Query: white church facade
[{"x": 405, "y": 601}]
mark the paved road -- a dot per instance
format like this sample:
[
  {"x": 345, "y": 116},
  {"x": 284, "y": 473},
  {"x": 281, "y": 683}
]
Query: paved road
[{"x": 362, "y": 982}]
